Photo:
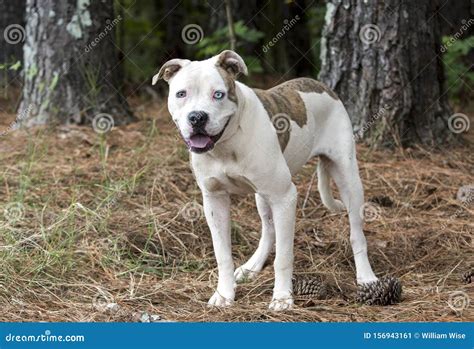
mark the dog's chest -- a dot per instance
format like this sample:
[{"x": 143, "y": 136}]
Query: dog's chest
[
  {"x": 228, "y": 176},
  {"x": 229, "y": 182}
]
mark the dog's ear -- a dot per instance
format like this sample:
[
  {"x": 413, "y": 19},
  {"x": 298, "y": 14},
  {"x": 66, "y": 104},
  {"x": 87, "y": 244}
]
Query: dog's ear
[
  {"x": 170, "y": 68},
  {"x": 232, "y": 63}
]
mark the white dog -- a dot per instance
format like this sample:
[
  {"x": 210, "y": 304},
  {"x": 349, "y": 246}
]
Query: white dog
[{"x": 245, "y": 140}]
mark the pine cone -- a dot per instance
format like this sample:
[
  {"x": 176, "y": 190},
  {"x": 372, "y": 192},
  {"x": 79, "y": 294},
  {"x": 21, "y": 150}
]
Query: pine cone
[
  {"x": 467, "y": 276},
  {"x": 309, "y": 288},
  {"x": 385, "y": 291}
]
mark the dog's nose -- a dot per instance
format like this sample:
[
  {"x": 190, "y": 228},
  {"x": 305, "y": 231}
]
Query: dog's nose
[{"x": 197, "y": 118}]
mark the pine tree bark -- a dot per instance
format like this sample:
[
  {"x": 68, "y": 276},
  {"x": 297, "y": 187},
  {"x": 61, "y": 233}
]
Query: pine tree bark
[
  {"x": 71, "y": 63},
  {"x": 383, "y": 58},
  {"x": 12, "y": 35}
]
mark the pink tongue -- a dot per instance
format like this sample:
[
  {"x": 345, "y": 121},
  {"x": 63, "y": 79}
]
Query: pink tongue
[{"x": 199, "y": 141}]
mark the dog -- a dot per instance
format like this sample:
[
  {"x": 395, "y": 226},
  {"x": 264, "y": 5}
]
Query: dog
[{"x": 251, "y": 141}]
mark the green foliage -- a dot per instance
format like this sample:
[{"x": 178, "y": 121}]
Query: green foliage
[
  {"x": 150, "y": 34},
  {"x": 315, "y": 24},
  {"x": 219, "y": 41},
  {"x": 91, "y": 76},
  {"x": 11, "y": 66},
  {"x": 140, "y": 39},
  {"x": 4, "y": 67},
  {"x": 460, "y": 78},
  {"x": 16, "y": 66}
]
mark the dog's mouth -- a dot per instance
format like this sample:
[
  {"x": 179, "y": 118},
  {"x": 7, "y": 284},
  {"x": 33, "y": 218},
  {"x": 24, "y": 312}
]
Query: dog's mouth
[{"x": 201, "y": 142}]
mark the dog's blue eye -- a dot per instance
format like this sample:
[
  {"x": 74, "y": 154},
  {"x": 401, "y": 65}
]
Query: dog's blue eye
[
  {"x": 181, "y": 94},
  {"x": 219, "y": 95}
]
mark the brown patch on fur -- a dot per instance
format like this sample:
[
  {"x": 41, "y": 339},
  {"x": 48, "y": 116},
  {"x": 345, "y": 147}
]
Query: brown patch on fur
[
  {"x": 308, "y": 85},
  {"x": 170, "y": 71},
  {"x": 229, "y": 83},
  {"x": 232, "y": 63},
  {"x": 242, "y": 182},
  {"x": 284, "y": 99},
  {"x": 213, "y": 184}
]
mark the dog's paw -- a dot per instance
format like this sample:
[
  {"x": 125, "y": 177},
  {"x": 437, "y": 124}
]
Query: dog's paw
[
  {"x": 281, "y": 304},
  {"x": 217, "y": 300},
  {"x": 385, "y": 291},
  {"x": 242, "y": 275}
]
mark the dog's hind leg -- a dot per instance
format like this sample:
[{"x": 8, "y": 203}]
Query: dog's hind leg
[
  {"x": 372, "y": 291},
  {"x": 344, "y": 171},
  {"x": 325, "y": 188},
  {"x": 283, "y": 206},
  {"x": 254, "y": 265}
]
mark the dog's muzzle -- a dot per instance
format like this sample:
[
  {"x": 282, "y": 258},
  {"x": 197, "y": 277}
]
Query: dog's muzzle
[{"x": 201, "y": 142}]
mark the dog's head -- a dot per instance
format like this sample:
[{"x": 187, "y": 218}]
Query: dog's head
[{"x": 202, "y": 96}]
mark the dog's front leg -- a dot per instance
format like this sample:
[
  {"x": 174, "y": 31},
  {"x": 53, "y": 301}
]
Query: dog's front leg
[
  {"x": 284, "y": 212},
  {"x": 217, "y": 211}
]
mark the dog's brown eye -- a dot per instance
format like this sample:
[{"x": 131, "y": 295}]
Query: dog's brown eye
[
  {"x": 218, "y": 95},
  {"x": 181, "y": 94}
]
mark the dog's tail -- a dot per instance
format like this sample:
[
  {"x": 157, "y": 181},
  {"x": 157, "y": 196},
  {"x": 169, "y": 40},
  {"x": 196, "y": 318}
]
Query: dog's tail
[{"x": 325, "y": 188}]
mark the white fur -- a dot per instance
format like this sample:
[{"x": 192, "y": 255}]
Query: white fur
[
  {"x": 199, "y": 97},
  {"x": 249, "y": 149}
]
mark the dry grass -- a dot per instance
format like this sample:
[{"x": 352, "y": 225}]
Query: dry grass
[{"x": 103, "y": 222}]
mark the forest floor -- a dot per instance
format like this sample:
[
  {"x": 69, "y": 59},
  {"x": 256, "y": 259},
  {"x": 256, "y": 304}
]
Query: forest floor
[{"x": 109, "y": 228}]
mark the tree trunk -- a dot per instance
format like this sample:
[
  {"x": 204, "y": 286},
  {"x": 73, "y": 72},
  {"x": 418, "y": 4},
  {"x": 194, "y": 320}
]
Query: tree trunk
[
  {"x": 383, "y": 58},
  {"x": 12, "y": 35},
  {"x": 71, "y": 64}
]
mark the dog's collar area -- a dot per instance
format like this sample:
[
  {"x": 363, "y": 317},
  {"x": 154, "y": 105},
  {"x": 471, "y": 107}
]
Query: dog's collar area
[{"x": 219, "y": 135}]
